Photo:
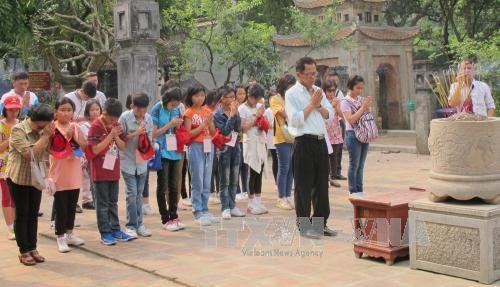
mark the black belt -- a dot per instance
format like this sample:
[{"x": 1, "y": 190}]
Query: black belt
[{"x": 313, "y": 137}]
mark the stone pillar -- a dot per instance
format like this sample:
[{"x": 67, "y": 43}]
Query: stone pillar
[
  {"x": 137, "y": 28},
  {"x": 423, "y": 112}
]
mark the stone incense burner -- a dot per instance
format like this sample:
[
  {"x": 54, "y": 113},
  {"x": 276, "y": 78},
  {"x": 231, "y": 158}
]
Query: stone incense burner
[{"x": 465, "y": 154}]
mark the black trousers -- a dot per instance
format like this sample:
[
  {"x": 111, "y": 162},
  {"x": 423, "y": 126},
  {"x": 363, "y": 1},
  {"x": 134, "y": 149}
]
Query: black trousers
[
  {"x": 185, "y": 171},
  {"x": 27, "y": 200},
  {"x": 275, "y": 165},
  {"x": 167, "y": 182},
  {"x": 310, "y": 164},
  {"x": 334, "y": 160},
  {"x": 214, "y": 183},
  {"x": 339, "y": 158},
  {"x": 255, "y": 182},
  {"x": 65, "y": 209}
]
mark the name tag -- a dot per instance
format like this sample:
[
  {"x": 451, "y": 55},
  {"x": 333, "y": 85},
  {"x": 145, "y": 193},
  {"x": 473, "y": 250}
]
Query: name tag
[
  {"x": 110, "y": 158},
  {"x": 207, "y": 145},
  {"x": 232, "y": 142},
  {"x": 171, "y": 142}
]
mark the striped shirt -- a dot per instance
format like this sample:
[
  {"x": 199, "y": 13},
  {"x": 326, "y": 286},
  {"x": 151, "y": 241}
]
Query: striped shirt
[{"x": 22, "y": 139}]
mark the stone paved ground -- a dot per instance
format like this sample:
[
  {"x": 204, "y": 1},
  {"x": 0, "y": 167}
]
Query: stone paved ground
[{"x": 189, "y": 257}]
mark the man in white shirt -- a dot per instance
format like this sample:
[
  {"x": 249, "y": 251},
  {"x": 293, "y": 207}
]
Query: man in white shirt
[
  {"x": 469, "y": 94},
  {"x": 307, "y": 108},
  {"x": 20, "y": 84},
  {"x": 99, "y": 96},
  {"x": 80, "y": 98}
]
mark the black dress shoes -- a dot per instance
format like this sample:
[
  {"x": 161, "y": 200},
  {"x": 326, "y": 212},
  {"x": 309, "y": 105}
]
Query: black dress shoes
[{"x": 329, "y": 232}]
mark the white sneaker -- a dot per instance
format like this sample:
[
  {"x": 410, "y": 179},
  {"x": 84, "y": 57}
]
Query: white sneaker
[
  {"x": 226, "y": 214},
  {"x": 212, "y": 218},
  {"x": 204, "y": 220},
  {"x": 241, "y": 196},
  {"x": 62, "y": 244},
  {"x": 131, "y": 232},
  {"x": 262, "y": 207},
  {"x": 147, "y": 209},
  {"x": 11, "y": 235},
  {"x": 143, "y": 231},
  {"x": 179, "y": 223},
  {"x": 186, "y": 201},
  {"x": 171, "y": 226},
  {"x": 256, "y": 209},
  {"x": 291, "y": 201},
  {"x": 236, "y": 212},
  {"x": 52, "y": 224},
  {"x": 214, "y": 198},
  {"x": 74, "y": 240},
  {"x": 282, "y": 203}
]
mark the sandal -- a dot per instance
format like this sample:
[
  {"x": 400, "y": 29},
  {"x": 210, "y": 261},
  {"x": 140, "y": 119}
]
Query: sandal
[
  {"x": 26, "y": 259},
  {"x": 38, "y": 258}
]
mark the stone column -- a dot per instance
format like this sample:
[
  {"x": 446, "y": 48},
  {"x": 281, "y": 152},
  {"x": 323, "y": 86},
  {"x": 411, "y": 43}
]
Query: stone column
[
  {"x": 423, "y": 112},
  {"x": 137, "y": 28}
]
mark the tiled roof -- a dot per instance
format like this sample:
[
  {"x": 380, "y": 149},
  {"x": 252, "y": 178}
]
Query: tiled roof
[
  {"x": 377, "y": 33},
  {"x": 313, "y": 4}
]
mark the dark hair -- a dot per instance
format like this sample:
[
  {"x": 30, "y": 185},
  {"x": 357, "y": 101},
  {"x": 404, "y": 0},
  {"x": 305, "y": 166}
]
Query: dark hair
[
  {"x": 168, "y": 85},
  {"x": 172, "y": 94},
  {"x": 20, "y": 76},
  {"x": 128, "y": 101},
  {"x": 41, "y": 113},
  {"x": 283, "y": 83},
  {"x": 331, "y": 72},
  {"x": 222, "y": 91},
  {"x": 4, "y": 112},
  {"x": 256, "y": 91},
  {"x": 140, "y": 100},
  {"x": 328, "y": 85},
  {"x": 88, "y": 106},
  {"x": 113, "y": 107},
  {"x": 89, "y": 89},
  {"x": 353, "y": 81},
  {"x": 63, "y": 101},
  {"x": 300, "y": 66},
  {"x": 191, "y": 91},
  {"x": 212, "y": 96}
]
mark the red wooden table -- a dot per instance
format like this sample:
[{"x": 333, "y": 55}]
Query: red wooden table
[{"x": 380, "y": 223}]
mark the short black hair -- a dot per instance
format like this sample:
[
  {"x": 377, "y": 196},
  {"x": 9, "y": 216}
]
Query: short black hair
[
  {"x": 170, "y": 95},
  {"x": 328, "y": 85},
  {"x": 63, "y": 101},
  {"x": 113, "y": 107},
  {"x": 88, "y": 106},
  {"x": 256, "y": 91},
  {"x": 300, "y": 66},
  {"x": 128, "y": 101},
  {"x": 191, "y": 91},
  {"x": 212, "y": 96},
  {"x": 41, "y": 113},
  {"x": 353, "y": 81},
  {"x": 4, "y": 112},
  {"x": 140, "y": 100},
  {"x": 89, "y": 89},
  {"x": 20, "y": 76},
  {"x": 168, "y": 85},
  {"x": 222, "y": 91}
]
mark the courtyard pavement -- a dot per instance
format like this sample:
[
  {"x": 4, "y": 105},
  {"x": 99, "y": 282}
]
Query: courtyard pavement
[{"x": 206, "y": 257}]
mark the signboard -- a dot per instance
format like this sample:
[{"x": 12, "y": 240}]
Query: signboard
[{"x": 39, "y": 81}]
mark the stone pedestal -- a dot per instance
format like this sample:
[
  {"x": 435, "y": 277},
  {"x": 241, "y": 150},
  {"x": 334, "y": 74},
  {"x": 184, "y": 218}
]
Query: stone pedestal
[{"x": 456, "y": 238}]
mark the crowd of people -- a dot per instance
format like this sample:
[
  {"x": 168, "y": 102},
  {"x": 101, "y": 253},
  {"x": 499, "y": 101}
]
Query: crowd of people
[{"x": 214, "y": 142}]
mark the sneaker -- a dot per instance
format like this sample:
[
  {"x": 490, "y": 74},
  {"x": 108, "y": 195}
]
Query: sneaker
[
  {"x": 186, "y": 201},
  {"x": 179, "y": 223},
  {"x": 147, "y": 209},
  {"x": 282, "y": 203},
  {"x": 334, "y": 183},
  {"x": 213, "y": 219},
  {"x": 236, "y": 212},
  {"x": 11, "y": 235},
  {"x": 88, "y": 205},
  {"x": 122, "y": 236},
  {"x": 226, "y": 214},
  {"x": 52, "y": 224},
  {"x": 74, "y": 240},
  {"x": 262, "y": 207},
  {"x": 77, "y": 223},
  {"x": 143, "y": 231},
  {"x": 255, "y": 209},
  {"x": 131, "y": 232},
  {"x": 291, "y": 202},
  {"x": 204, "y": 220},
  {"x": 241, "y": 196},
  {"x": 62, "y": 244},
  {"x": 78, "y": 209},
  {"x": 214, "y": 198},
  {"x": 108, "y": 239},
  {"x": 171, "y": 226}
]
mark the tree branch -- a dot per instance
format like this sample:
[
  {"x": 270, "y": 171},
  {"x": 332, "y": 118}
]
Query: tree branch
[{"x": 73, "y": 17}]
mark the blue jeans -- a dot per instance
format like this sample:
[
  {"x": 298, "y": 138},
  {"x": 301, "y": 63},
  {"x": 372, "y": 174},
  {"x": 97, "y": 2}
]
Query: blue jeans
[
  {"x": 229, "y": 172},
  {"x": 200, "y": 167},
  {"x": 134, "y": 188},
  {"x": 357, "y": 157},
  {"x": 285, "y": 174},
  {"x": 106, "y": 206}
]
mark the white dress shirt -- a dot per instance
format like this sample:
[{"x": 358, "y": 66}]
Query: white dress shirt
[
  {"x": 480, "y": 94},
  {"x": 297, "y": 98}
]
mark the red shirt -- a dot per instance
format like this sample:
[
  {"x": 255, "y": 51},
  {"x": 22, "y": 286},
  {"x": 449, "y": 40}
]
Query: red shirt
[{"x": 97, "y": 134}]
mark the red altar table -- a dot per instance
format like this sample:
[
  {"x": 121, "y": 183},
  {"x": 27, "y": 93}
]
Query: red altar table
[{"x": 380, "y": 224}]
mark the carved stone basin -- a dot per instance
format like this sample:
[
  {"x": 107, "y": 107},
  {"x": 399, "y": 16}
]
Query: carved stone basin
[{"x": 465, "y": 158}]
